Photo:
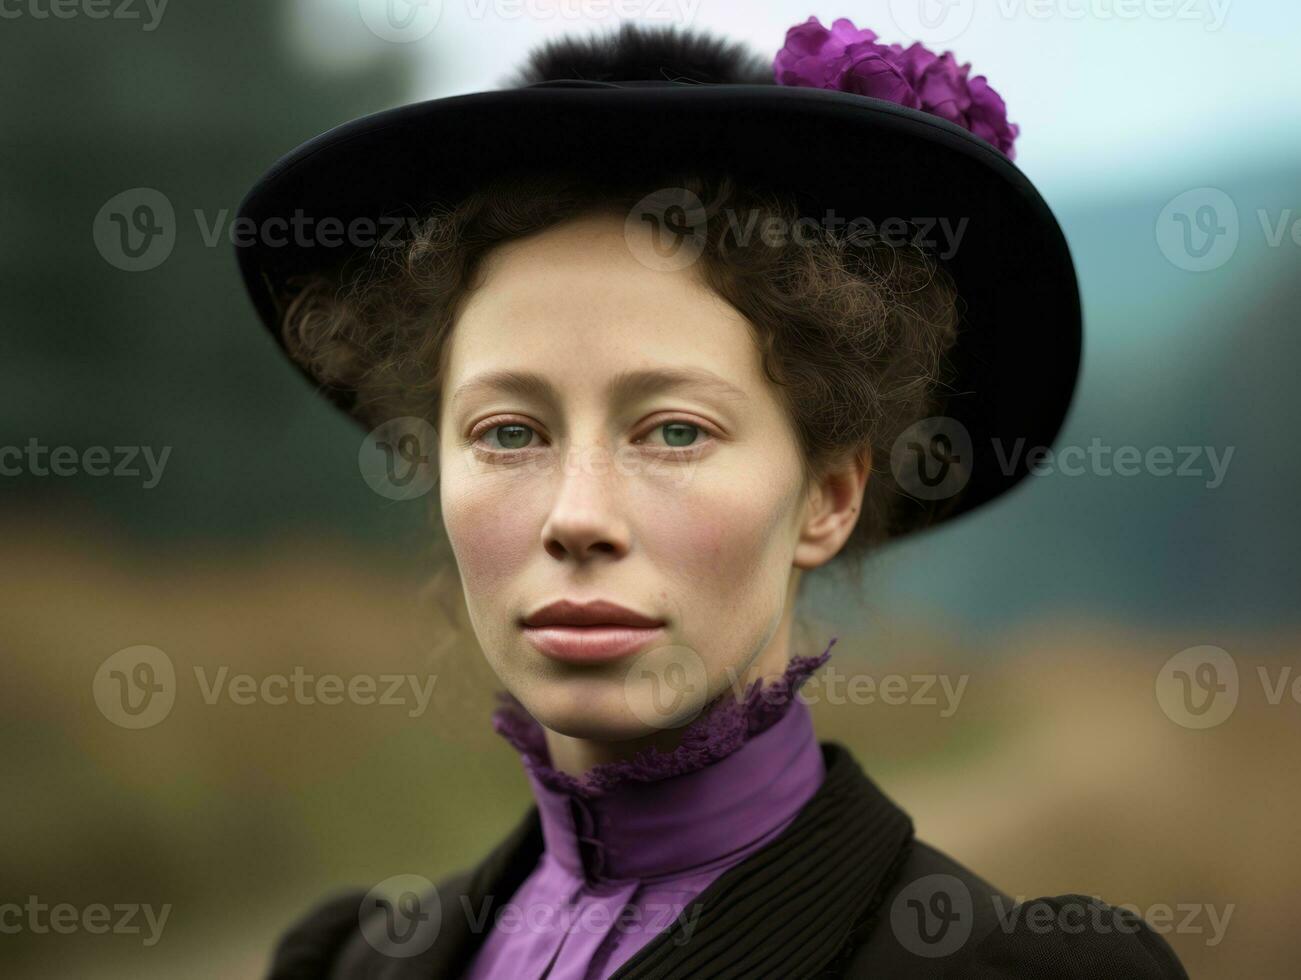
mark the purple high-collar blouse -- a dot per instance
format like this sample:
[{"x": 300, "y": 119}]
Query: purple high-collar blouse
[{"x": 629, "y": 845}]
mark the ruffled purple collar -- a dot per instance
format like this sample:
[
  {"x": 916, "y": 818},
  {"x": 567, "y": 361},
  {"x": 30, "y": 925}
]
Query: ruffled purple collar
[{"x": 724, "y": 726}]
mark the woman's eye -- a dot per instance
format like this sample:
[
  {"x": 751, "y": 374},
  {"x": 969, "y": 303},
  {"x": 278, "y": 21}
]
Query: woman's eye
[
  {"x": 511, "y": 435},
  {"x": 678, "y": 435}
]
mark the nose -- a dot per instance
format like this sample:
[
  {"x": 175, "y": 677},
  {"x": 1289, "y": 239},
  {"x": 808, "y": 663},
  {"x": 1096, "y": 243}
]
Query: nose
[{"x": 585, "y": 518}]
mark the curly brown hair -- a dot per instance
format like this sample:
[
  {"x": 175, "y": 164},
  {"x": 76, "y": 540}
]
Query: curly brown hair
[{"x": 853, "y": 329}]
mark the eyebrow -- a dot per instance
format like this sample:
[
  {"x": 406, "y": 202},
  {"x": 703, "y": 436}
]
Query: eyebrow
[{"x": 626, "y": 385}]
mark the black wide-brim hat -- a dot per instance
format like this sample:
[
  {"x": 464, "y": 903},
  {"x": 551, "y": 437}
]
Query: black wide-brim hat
[{"x": 649, "y": 104}]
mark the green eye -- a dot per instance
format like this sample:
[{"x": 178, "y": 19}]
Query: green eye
[
  {"x": 513, "y": 436},
  {"x": 680, "y": 434}
]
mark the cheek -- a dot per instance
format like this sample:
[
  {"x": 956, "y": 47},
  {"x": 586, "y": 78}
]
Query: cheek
[
  {"x": 723, "y": 538},
  {"x": 489, "y": 533}
]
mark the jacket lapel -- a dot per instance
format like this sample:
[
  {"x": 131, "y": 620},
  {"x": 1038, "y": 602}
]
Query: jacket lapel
[{"x": 797, "y": 907}]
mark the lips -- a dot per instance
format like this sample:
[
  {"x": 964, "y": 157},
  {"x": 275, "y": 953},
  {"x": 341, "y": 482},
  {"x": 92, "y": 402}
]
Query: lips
[
  {"x": 591, "y": 632},
  {"x": 598, "y": 613}
]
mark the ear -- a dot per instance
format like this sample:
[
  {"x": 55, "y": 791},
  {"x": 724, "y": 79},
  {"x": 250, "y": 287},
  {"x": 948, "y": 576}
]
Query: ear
[{"x": 831, "y": 510}]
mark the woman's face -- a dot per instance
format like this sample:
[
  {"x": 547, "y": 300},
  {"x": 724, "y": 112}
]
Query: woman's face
[{"x": 681, "y": 501}]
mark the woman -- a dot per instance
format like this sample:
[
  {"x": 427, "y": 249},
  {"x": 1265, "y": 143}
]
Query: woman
[{"x": 676, "y": 326}]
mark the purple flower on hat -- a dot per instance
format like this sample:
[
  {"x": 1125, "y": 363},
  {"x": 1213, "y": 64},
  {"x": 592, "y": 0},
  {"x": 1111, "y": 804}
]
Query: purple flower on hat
[{"x": 849, "y": 58}]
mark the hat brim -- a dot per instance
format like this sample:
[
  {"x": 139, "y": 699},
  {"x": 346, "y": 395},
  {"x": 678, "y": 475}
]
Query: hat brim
[{"x": 1018, "y": 352}]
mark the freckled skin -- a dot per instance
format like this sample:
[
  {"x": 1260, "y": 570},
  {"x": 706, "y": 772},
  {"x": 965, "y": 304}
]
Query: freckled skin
[{"x": 596, "y": 505}]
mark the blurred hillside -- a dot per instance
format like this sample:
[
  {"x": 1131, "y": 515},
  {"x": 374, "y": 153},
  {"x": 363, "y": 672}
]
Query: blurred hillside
[{"x": 197, "y": 109}]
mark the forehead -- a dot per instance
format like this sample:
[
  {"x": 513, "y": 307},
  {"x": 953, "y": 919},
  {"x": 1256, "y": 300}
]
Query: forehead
[{"x": 575, "y": 303}]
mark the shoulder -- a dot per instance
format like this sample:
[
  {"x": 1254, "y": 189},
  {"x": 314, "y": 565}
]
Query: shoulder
[
  {"x": 327, "y": 941},
  {"x": 1070, "y": 937},
  {"x": 941, "y": 921},
  {"x": 306, "y": 950}
]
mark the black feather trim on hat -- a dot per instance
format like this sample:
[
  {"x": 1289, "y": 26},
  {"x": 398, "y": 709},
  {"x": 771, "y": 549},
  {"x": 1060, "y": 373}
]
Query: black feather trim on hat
[{"x": 640, "y": 53}]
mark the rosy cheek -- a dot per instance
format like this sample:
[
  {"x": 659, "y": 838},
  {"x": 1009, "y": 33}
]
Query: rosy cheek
[
  {"x": 489, "y": 533},
  {"x": 713, "y": 538}
]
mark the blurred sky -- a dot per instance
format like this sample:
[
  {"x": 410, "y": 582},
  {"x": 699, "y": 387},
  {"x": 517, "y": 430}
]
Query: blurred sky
[{"x": 1153, "y": 89}]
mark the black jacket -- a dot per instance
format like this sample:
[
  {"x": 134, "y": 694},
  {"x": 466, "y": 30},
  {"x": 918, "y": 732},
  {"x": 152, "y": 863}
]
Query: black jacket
[{"x": 845, "y": 891}]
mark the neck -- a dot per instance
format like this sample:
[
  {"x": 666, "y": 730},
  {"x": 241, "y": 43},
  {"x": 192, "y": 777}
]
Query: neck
[{"x": 576, "y": 755}]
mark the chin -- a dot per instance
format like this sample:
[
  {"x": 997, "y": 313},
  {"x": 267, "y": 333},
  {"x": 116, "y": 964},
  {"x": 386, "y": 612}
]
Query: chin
[{"x": 599, "y": 708}]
